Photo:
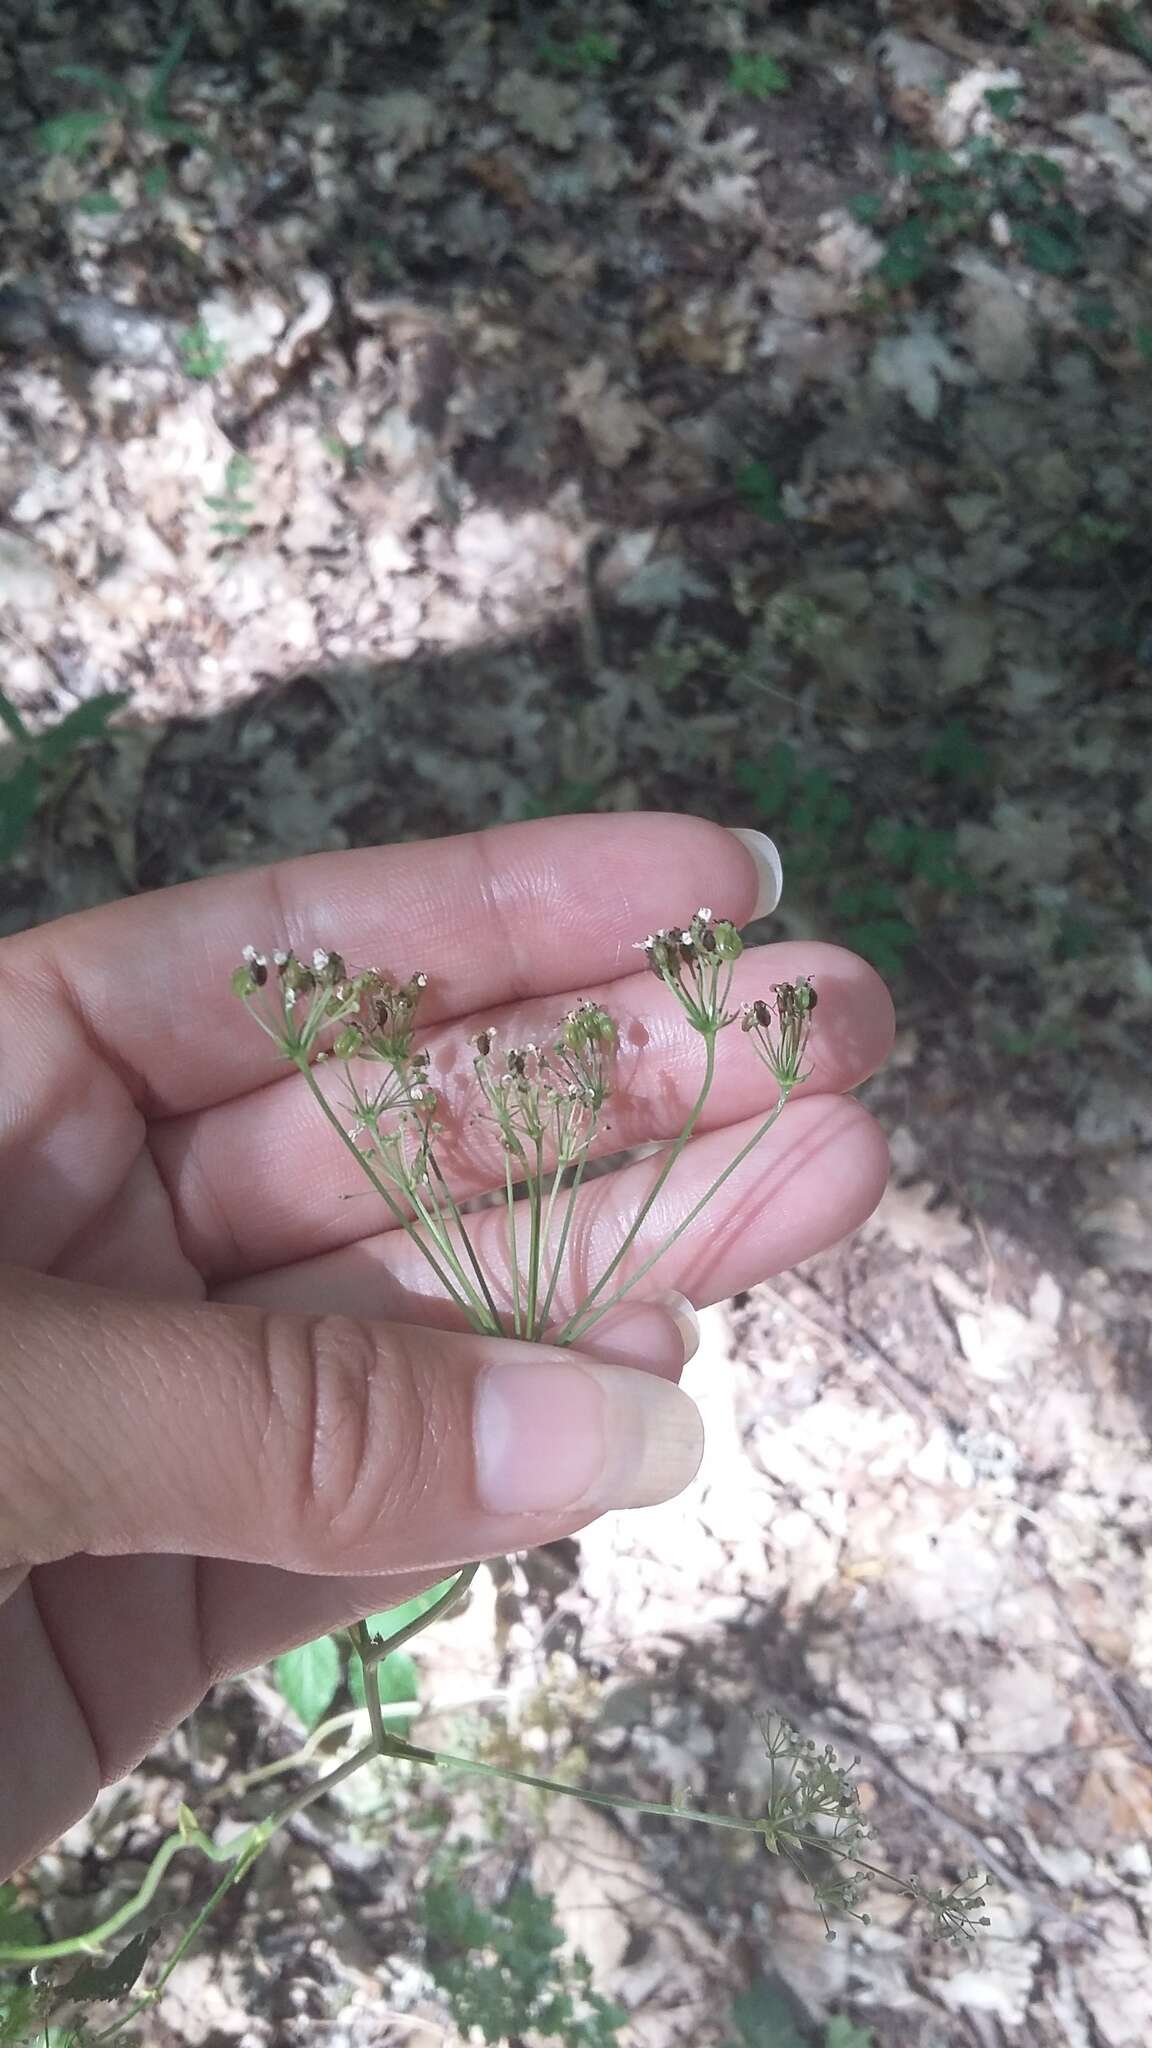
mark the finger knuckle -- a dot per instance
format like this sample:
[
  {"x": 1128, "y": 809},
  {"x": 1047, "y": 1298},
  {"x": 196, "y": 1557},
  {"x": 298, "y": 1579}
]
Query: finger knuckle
[{"x": 363, "y": 1443}]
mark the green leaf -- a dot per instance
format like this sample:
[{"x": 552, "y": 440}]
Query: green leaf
[
  {"x": 19, "y": 798},
  {"x": 162, "y": 77},
  {"x": 1127, "y": 25},
  {"x": 21, "y": 2014},
  {"x": 563, "y": 799},
  {"x": 101, "y": 1982},
  {"x": 884, "y": 941},
  {"x": 18, "y": 1927},
  {"x": 1047, "y": 248},
  {"x": 955, "y": 756},
  {"x": 89, "y": 74},
  {"x": 842, "y": 2033},
  {"x": 71, "y": 134},
  {"x": 98, "y": 203},
  {"x": 760, "y": 488},
  {"x": 87, "y": 721},
  {"x": 10, "y": 717},
  {"x": 866, "y": 207},
  {"x": 154, "y": 183},
  {"x": 907, "y": 254},
  {"x": 765, "y": 2017},
  {"x": 308, "y": 1678},
  {"x": 1002, "y": 100},
  {"x": 757, "y": 73},
  {"x": 585, "y": 55}
]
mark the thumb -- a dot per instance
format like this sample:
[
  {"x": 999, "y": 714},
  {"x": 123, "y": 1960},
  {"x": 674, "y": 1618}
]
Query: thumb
[{"x": 323, "y": 1443}]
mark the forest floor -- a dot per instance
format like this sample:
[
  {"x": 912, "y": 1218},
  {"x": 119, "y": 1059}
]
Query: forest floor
[{"x": 460, "y": 411}]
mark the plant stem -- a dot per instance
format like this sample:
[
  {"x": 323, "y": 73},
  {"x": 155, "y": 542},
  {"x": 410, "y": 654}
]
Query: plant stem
[
  {"x": 96, "y": 1937},
  {"x": 231, "y": 1877},
  {"x": 381, "y": 1187},
  {"x": 535, "y": 1208},
  {"x": 513, "y": 1247},
  {"x": 473, "y": 1257},
  {"x": 579, "y": 1319},
  {"x": 377, "y": 1650},
  {"x": 562, "y": 1241}
]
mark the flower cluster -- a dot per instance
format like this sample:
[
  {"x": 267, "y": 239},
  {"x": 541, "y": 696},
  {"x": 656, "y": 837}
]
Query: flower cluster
[
  {"x": 780, "y": 1029},
  {"x": 293, "y": 1000},
  {"x": 550, "y": 1095},
  {"x": 695, "y": 962}
]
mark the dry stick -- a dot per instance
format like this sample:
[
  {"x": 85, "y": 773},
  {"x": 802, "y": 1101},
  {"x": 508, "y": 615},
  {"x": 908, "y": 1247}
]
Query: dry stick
[{"x": 1097, "y": 1670}]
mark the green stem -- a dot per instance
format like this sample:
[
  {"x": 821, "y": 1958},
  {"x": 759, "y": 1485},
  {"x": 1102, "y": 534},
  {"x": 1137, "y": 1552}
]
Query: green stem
[
  {"x": 535, "y": 1210},
  {"x": 562, "y": 1241},
  {"x": 381, "y": 1187},
  {"x": 580, "y": 1321},
  {"x": 513, "y": 1247},
  {"x": 149, "y": 1998},
  {"x": 362, "y": 1642},
  {"x": 377, "y": 1650},
  {"x": 97, "y": 1937},
  {"x": 474, "y": 1307},
  {"x": 473, "y": 1257},
  {"x": 577, "y": 1321}
]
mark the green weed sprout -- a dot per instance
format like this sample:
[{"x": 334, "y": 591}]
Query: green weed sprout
[
  {"x": 544, "y": 1102},
  {"x": 757, "y": 73},
  {"x": 117, "y": 111},
  {"x": 202, "y": 357}
]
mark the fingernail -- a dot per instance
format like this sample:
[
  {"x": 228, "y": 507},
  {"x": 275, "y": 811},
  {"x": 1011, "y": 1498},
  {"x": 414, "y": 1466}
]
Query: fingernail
[
  {"x": 559, "y": 1437},
  {"x": 685, "y": 1317},
  {"x": 769, "y": 870}
]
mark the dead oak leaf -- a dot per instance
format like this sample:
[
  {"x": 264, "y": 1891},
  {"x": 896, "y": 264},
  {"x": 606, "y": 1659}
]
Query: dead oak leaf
[{"x": 613, "y": 424}]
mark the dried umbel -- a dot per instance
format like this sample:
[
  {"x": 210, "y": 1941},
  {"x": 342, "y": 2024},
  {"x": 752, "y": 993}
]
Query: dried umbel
[
  {"x": 780, "y": 1029},
  {"x": 545, "y": 1100}
]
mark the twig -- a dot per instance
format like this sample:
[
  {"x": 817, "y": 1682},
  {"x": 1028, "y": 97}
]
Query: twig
[{"x": 1097, "y": 1670}]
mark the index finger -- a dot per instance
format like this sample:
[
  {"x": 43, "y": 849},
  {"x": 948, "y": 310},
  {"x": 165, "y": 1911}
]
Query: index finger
[{"x": 490, "y": 917}]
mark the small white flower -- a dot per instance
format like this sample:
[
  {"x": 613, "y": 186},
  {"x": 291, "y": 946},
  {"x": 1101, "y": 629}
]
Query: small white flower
[
  {"x": 252, "y": 958},
  {"x": 280, "y": 959},
  {"x": 704, "y": 915},
  {"x": 320, "y": 960},
  {"x": 290, "y": 995},
  {"x": 686, "y": 938}
]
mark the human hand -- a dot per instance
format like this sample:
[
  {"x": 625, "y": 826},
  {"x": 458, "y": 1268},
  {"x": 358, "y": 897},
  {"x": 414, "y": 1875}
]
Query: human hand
[{"x": 232, "y": 1415}]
